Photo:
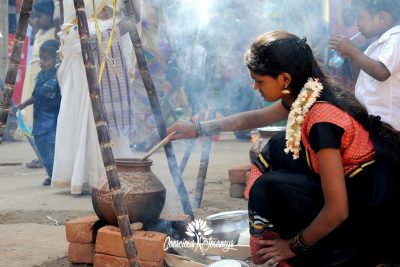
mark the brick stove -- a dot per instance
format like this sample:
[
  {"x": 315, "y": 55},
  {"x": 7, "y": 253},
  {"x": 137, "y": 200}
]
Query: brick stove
[{"x": 93, "y": 242}]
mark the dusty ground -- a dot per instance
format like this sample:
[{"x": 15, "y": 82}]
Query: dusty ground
[{"x": 32, "y": 217}]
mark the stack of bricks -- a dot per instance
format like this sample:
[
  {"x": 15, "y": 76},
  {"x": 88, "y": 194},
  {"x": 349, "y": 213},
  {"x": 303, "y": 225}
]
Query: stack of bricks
[
  {"x": 90, "y": 242},
  {"x": 237, "y": 178},
  {"x": 81, "y": 235},
  {"x": 110, "y": 251}
]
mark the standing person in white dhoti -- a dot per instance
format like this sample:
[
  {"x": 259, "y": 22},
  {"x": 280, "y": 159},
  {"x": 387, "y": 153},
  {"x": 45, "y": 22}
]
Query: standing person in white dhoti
[{"x": 78, "y": 162}]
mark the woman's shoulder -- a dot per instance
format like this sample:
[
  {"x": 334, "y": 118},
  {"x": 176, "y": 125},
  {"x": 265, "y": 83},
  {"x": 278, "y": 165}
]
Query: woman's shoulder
[
  {"x": 326, "y": 112},
  {"x": 326, "y": 108}
]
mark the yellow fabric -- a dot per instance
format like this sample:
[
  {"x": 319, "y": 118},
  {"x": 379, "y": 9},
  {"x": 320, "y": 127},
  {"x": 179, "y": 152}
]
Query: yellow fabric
[
  {"x": 103, "y": 64},
  {"x": 359, "y": 169},
  {"x": 260, "y": 156},
  {"x": 326, "y": 11}
]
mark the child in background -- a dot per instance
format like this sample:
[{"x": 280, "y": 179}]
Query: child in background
[
  {"x": 42, "y": 18},
  {"x": 46, "y": 99},
  {"x": 378, "y": 68}
]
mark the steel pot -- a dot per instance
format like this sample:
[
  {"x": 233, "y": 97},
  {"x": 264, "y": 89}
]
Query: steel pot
[
  {"x": 265, "y": 134},
  {"x": 228, "y": 225}
]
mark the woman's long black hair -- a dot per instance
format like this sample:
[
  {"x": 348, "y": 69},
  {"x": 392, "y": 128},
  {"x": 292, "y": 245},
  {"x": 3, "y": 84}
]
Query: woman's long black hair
[{"x": 279, "y": 51}]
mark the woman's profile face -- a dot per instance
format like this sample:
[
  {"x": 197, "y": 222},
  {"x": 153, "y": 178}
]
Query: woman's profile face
[{"x": 269, "y": 87}]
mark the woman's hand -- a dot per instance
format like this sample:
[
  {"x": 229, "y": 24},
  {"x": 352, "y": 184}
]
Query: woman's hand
[
  {"x": 274, "y": 251},
  {"x": 183, "y": 129}
]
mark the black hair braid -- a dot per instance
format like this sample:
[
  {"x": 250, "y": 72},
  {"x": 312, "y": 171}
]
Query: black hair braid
[
  {"x": 302, "y": 65},
  {"x": 385, "y": 138}
]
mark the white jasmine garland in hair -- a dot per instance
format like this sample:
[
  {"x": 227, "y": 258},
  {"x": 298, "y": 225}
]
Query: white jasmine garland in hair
[{"x": 306, "y": 98}]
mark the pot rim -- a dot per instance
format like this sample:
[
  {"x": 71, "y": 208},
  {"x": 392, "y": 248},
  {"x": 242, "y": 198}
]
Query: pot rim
[
  {"x": 231, "y": 262},
  {"x": 227, "y": 215},
  {"x": 271, "y": 129}
]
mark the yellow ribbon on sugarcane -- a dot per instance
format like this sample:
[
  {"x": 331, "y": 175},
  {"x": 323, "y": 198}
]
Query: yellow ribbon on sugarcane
[
  {"x": 96, "y": 23},
  {"x": 103, "y": 63}
]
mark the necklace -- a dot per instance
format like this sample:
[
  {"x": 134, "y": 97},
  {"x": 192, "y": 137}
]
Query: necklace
[{"x": 304, "y": 101}]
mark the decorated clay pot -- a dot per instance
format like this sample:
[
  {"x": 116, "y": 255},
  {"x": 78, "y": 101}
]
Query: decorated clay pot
[{"x": 144, "y": 194}]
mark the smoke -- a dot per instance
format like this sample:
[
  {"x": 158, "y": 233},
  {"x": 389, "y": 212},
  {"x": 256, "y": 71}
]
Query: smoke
[
  {"x": 226, "y": 29},
  {"x": 198, "y": 46},
  {"x": 223, "y": 30}
]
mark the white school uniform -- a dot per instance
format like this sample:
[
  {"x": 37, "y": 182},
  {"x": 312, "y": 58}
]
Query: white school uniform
[{"x": 383, "y": 98}]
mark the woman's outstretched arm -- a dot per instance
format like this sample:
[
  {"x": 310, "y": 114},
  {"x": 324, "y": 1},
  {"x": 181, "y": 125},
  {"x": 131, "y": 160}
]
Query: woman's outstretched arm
[{"x": 241, "y": 121}]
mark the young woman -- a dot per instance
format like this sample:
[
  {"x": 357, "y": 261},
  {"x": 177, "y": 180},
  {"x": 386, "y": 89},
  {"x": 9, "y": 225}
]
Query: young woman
[{"x": 328, "y": 185}]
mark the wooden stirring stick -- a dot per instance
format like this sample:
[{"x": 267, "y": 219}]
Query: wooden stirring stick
[{"x": 158, "y": 146}]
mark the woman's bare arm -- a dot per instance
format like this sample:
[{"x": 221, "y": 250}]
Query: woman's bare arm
[
  {"x": 241, "y": 121},
  {"x": 335, "y": 209},
  {"x": 254, "y": 118}
]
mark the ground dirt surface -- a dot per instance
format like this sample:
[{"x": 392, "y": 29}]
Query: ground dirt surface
[{"x": 32, "y": 216}]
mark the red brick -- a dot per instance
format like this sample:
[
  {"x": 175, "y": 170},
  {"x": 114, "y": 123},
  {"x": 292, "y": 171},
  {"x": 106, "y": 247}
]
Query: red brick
[
  {"x": 152, "y": 263},
  {"x": 81, "y": 230},
  {"x": 149, "y": 245},
  {"x": 237, "y": 175},
  {"x": 81, "y": 252},
  {"x": 103, "y": 260},
  {"x": 109, "y": 241},
  {"x": 237, "y": 190}
]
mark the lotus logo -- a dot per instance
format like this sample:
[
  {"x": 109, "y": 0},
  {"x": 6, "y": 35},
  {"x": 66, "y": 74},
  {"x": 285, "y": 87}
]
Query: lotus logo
[{"x": 198, "y": 229}]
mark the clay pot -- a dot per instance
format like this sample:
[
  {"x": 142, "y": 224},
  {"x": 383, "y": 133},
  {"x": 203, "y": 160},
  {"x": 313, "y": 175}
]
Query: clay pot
[{"x": 144, "y": 194}]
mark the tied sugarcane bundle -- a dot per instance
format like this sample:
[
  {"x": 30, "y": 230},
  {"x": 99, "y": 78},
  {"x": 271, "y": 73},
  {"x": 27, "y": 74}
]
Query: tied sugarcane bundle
[
  {"x": 13, "y": 65},
  {"x": 119, "y": 206},
  {"x": 130, "y": 13}
]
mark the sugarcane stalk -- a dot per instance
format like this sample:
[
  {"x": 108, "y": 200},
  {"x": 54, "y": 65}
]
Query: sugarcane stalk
[
  {"x": 13, "y": 65},
  {"x": 186, "y": 155},
  {"x": 202, "y": 174},
  {"x": 156, "y": 108},
  {"x": 189, "y": 148},
  {"x": 104, "y": 136}
]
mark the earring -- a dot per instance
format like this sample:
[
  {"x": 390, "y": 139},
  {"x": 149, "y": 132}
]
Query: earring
[{"x": 286, "y": 91}]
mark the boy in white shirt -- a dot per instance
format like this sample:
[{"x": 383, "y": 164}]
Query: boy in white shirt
[{"x": 377, "y": 70}]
